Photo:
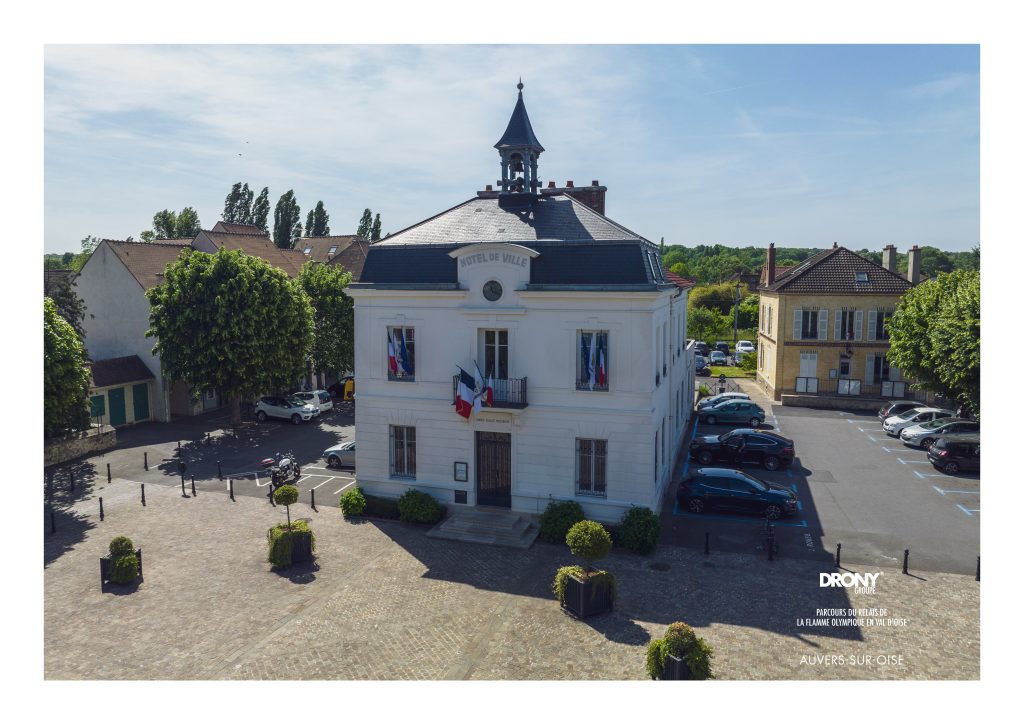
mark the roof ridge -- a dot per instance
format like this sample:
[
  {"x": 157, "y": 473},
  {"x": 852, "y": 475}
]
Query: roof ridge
[
  {"x": 155, "y": 242},
  {"x": 807, "y": 264}
]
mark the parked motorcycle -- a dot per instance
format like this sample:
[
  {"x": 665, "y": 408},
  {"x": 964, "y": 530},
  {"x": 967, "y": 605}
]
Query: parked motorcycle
[{"x": 283, "y": 469}]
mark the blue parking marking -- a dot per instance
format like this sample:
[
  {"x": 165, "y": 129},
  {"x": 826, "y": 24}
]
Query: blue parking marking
[
  {"x": 965, "y": 510},
  {"x": 962, "y": 492},
  {"x": 940, "y": 491},
  {"x": 914, "y": 462}
]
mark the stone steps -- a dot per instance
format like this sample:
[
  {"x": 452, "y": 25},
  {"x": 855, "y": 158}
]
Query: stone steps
[{"x": 488, "y": 527}]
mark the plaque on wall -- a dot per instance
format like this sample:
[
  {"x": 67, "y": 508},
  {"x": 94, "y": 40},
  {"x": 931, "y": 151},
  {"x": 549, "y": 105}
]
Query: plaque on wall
[{"x": 461, "y": 472}]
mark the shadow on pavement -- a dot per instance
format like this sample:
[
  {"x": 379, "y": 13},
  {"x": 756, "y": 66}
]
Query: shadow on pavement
[{"x": 70, "y": 531}]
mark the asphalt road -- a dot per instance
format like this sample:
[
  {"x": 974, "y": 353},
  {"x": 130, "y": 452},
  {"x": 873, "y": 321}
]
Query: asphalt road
[{"x": 858, "y": 487}]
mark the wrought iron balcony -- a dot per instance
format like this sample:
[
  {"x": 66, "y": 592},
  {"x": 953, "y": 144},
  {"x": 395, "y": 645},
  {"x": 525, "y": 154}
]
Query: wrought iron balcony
[{"x": 508, "y": 394}]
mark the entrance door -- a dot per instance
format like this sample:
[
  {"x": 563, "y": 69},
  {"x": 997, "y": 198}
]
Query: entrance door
[
  {"x": 116, "y": 397},
  {"x": 140, "y": 401},
  {"x": 494, "y": 469}
]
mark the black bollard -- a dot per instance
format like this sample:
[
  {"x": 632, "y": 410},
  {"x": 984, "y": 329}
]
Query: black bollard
[
  {"x": 183, "y": 493},
  {"x": 71, "y": 473},
  {"x": 271, "y": 495},
  {"x": 53, "y": 523},
  {"x": 231, "y": 488},
  {"x": 839, "y": 547},
  {"x": 906, "y": 558},
  {"x": 145, "y": 460},
  {"x": 977, "y": 574},
  {"x": 101, "y": 508},
  {"x": 312, "y": 500},
  {"x": 49, "y": 487},
  {"x": 108, "y": 473},
  {"x": 143, "y": 493},
  {"x": 707, "y": 543},
  {"x": 179, "y": 448},
  {"x": 220, "y": 475},
  {"x": 193, "y": 486}
]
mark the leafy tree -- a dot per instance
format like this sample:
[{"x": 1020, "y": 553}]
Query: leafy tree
[
  {"x": 238, "y": 206},
  {"x": 750, "y": 311},
  {"x": 365, "y": 224},
  {"x": 375, "y": 229},
  {"x": 65, "y": 375},
  {"x": 286, "y": 220},
  {"x": 231, "y": 323},
  {"x": 935, "y": 336},
  {"x": 69, "y": 306},
  {"x": 333, "y": 318},
  {"x": 704, "y": 323},
  {"x": 261, "y": 209},
  {"x": 316, "y": 221},
  {"x": 720, "y": 297},
  {"x": 231, "y": 202},
  {"x": 168, "y": 224},
  {"x": 681, "y": 269}
]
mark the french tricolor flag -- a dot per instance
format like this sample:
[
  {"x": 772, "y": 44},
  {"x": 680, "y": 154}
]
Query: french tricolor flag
[
  {"x": 392, "y": 359},
  {"x": 464, "y": 394},
  {"x": 602, "y": 376}
]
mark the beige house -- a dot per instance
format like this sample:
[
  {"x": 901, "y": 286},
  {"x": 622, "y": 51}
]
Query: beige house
[{"x": 823, "y": 326}]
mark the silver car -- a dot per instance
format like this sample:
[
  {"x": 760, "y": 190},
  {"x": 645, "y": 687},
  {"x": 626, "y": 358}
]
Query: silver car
[
  {"x": 341, "y": 455},
  {"x": 924, "y": 435},
  {"x": 715, "y": 399},
  {"x": 919, "y": 415}
]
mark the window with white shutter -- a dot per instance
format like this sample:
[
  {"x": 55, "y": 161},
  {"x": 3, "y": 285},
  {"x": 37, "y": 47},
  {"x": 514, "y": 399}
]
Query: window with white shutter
[
  {"x": 869, "y": 369},
  {"x": 872, "y": 317},
  {"x": 838, "y": 324},
  {"x": 823, "y": 324},
  {"x": 858, "y": 323},
  {"x": 797, "y": 322}
]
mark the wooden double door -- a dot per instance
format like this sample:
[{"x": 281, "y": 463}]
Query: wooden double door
[{"x": 494, "y": 469}]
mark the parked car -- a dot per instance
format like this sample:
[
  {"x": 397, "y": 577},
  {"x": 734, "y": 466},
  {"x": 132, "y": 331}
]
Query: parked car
[
  {"x": 896, "y": 407},
  {"x": 722, "y": 347},
  {"x": 956, "y": 453},
  {"x": 343, "y": 389},
  {"x": 285, "y": 409},
  {"x": 925, "y": 434},
  {"x": 701, "y": 366},
  {"x": 295, "y": 399},
  {"x": 894, "y": 425},
  {"x": 744, "y": 447},
  {"x": 744, "y": 346},
  {"x": 715, "y": 399},
  {"x": 319, "y": 398},
  {"x": 723, "y": 489},
  {"x": 718, "y": 358},
  {"x": 341, "y": 455},
  {"x": 742, "y": 411},
  {"x": 701, "y": 348}
]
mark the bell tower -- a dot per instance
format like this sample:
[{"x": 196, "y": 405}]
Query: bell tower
[{"x": 519, "y": 149}]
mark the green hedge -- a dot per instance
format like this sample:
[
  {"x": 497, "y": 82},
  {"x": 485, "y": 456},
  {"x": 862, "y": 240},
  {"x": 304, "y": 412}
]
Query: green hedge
[
  {"x": 352, "y": 502},
  {"x": 378, "y": 507},
  {"x": 680, "y": 641},
  {"x": 279, "y": 540},
  {"x": 558, "y": 518},
  {"x": 121, "y": 546},
  {"x": 639, "y": 530},
  {"x": 124, "y": 569},
  {"x": 415, "y": 506}
]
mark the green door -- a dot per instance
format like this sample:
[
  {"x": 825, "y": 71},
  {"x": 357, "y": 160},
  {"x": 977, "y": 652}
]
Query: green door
[
  {"x": 98, "y": 407},
  {"x": 140, "y": 398},
  {"x": 116, "y": 397}
]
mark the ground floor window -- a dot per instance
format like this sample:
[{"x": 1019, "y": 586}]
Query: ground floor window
[
  {"x": 403, "y": 451},
  {"x": 590, "y": 466}
]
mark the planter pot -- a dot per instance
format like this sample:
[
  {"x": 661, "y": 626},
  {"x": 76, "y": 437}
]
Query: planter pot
[
  {"x": 302, "y": 547},
  {"x": 586, "y": 598},
  {"x": 676, "y": 669},
  {"x": 105, "y": 563}
]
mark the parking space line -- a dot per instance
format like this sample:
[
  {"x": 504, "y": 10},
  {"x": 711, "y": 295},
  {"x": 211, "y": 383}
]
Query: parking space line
[
  {"x": 258, "y": 483},
  {"x": 962, "y": 492},
  {"x": 939, "y": 490},
  {"x": 914, "y": 462},
  {"x": 352, "y": 482},
  {"x": 965, "y": 510},
  {"x": 928, "y": 475},
  {"x": 304, "y": 477},
  {"x": 888, "y": 450},
  {"x": 326, "y": 480}
]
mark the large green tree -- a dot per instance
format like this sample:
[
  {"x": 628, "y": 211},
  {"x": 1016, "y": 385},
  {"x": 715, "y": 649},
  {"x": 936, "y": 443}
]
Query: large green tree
[
  {"x": 287, "y": 221},
  {"x": 375, "y": 229},
  {"x": 704, "y": 323},
  {"x": 750, "y": 311},
  {"x": 261, "y": 210},
  {"x": 365, "y": 224},
  {"x": 720, "y": 297},
  {"x": 333, "y": 320},
  {"x": 935, "y": 336},
  {"x": 65, "y": 375},
  {"x": 316, "y": 221},
  {"x": 169, "y": 224},
  {"x": 238, "y": 206},
  {"x": 69, "y": 305},
  {"x": 231, "y": 323}
]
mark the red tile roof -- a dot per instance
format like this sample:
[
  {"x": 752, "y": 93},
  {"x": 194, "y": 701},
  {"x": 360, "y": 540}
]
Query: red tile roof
[
  {"x": 681, "y": 282},
  {"x": 147, "y": 260}
]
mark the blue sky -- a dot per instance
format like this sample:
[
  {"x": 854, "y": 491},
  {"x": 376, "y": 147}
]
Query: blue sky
[{"x": 800, "y": 145}]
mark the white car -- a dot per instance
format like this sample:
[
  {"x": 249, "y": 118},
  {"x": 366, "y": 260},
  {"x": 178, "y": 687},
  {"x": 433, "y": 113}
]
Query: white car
[
  {"x": 317, "y": 398},
  {"x": 744, "y": 346},
  {"x": 285, "y": 408},
  {"x": 715, "y": 399},
  {"x": 917, "y": 416},
  {"x": 925, "y": 434},
  {"x": 342, "y": 454}
]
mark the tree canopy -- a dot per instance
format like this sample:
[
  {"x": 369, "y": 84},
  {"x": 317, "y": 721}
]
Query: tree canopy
[
  {"x": 69, "y": 306},
  {"x": 238, "y": 205},
  {"x": 169, "y": 224},
  {"x": 65, "y": 375},
  {"x": 935, "y": 336},
  {"x": 705, "y": 323},
  {"x": 365, "y": 224},
  {"x": 316, "y": 221},
  {"x": 231, "y": 323},
  {"x": 333, "y": 317},
  {"x": 287, "y": 224}
]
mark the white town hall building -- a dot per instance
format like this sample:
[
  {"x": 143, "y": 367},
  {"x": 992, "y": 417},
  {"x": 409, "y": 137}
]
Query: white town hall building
[{"x": 542, "y": 294}]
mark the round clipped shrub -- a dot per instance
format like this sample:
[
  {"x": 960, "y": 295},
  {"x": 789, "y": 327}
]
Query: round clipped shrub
[
  {"x": 558, "y": 518},
  {"x": 415, "y": 506},
  {"x": 121, "y": 546},
  {"x": 588, "y": 540},
  {"x": 352, "y": 502},
  {"x": 639, "y": 530},
  {"x": 124, "y": 569},
  {"x": 680, "y": 641},
  {"x": 286, "y": 495}
]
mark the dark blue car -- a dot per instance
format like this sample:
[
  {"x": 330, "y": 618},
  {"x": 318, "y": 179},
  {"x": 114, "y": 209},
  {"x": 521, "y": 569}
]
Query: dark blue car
[{"x": 734, "y": 491}]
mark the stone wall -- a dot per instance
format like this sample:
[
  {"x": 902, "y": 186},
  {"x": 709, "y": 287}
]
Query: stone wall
[{"x": 75, "y": 446}]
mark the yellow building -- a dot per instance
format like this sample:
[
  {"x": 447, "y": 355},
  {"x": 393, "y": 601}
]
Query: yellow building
[{"x": 823, "y": 329}]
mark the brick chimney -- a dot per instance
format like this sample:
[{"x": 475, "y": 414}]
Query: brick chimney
[
  {"x": 914, "y": 265},
  {"x": 591, "y": 196},
  {"x": 889, "y": 258},
  {"x": 770, "y": 265}
]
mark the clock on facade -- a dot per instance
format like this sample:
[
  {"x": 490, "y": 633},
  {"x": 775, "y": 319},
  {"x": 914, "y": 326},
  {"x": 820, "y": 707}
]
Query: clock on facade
[{"x": 492, "y": 291}]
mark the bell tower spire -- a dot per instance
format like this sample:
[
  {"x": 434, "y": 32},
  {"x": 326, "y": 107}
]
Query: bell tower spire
[{"x": 519, "y": 149}]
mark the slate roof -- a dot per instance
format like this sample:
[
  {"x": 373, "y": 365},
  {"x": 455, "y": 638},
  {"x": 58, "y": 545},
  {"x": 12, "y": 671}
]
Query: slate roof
[
  {"x": 544, "y": 218},
  {"x": 321, "y": 245},
  {"x": 147, "y": 260},
  {"x": 519, "y": 131},
  {"x": 119, "y": 371},
  {"x": 833, "y": 271}
]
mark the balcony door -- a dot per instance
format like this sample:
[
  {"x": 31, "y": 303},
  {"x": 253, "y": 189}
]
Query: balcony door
[{"x": 494, "y": 359}]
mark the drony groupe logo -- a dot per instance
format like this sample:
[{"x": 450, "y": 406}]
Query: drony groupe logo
[{"x": 860, "y": 582}]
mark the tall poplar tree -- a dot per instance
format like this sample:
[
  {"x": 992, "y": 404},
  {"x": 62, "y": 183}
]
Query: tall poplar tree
[
  {"x": 261, "y": 210},
  {"x": 316, "y": 221},
  {"x": 375, "y": 229},
  {"x": 365, "y": 224},
  {"x": 287, "y": 217}
]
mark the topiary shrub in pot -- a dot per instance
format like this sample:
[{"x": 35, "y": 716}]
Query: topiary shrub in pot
[
  {"x": 558, "y": 518},
  {"x": 415, "y": 506},
  {"x": 681, "y": 654},
  {"x": 352, "y": 503},
  {"x": 123, "y": 564},
  {"x": 291, "y": 543},
  {"x": 583, "y": 591},
  {"x": 639, "y": 530}
]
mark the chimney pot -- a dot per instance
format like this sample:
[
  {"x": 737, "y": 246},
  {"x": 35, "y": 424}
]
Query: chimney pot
[
  {"x": 551, "y": 184},
  {"x": 568, "y": 184},
  {"x": 489, "y": 188},
  {"x": 889, "y": 258},
  {"x": 594, "y": 183},
  {"x": 914, "y": 265},
  {"x": 770, "y": 276}
]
